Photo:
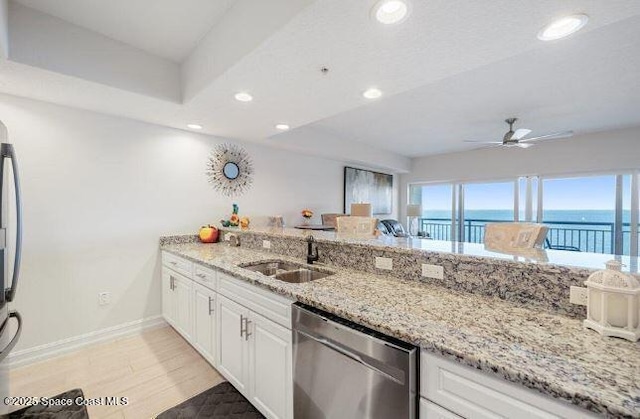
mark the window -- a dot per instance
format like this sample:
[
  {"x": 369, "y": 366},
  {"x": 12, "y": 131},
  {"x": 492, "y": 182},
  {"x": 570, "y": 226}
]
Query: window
[
  {"x": 587, "y": 214},
  {"x": 580, "y": 213},
  {"x": 485, "y": 203},
  {"x": 436, "y": 201}
]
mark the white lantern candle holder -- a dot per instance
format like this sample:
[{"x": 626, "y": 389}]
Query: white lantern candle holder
[{"x": 613, "y": 303}]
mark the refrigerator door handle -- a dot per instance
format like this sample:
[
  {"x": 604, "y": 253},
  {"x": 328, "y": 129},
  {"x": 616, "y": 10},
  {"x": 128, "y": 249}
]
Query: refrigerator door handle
[
  {"x": 9, "y": 152},
  {"x": 5, "y": 351}
]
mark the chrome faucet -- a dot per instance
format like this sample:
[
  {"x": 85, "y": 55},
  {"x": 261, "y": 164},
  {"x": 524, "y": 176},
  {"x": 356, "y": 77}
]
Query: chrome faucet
[{"x": 311, "y": 256}]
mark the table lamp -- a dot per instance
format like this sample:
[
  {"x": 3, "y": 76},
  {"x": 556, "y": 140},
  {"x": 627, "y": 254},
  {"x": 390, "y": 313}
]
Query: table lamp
[{"x": 413, "y": 211}]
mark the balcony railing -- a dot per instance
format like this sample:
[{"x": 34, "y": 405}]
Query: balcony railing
[{"x": 595, "y": 237}]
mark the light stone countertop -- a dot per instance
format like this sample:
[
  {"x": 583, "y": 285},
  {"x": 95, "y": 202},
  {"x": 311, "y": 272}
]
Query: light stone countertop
[
  {"x": 547, "y": 352},
  {"x": 550, "y": 257}
]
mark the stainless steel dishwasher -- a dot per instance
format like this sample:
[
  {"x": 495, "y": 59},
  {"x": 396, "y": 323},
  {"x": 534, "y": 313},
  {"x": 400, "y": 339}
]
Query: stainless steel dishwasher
[{"x": 346, "y": 371}]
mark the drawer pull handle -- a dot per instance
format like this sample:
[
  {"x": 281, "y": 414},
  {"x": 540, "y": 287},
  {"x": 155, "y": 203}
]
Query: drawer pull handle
[
  {"x": 241, "y": 325},
  {"x": 202, "y": 276},
  {"x": 211, "y": 309},
  {"x": 246, "y": 328},
  {"x": 173, "y": 263}
]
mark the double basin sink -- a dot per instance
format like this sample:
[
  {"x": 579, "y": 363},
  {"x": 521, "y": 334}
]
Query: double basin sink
[{"x": 287, "y": 271}]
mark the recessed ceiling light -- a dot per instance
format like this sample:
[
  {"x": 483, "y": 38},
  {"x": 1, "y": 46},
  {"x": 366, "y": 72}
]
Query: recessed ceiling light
[
  {"x": 563, "y": 27},
  {"x": 372, "y": 93},
  {"x": 243, "y": 97},
  {"x": 390, "y": 11},
  {"x": 194, "y": 126},
  {"x": 282, "y": 127}
]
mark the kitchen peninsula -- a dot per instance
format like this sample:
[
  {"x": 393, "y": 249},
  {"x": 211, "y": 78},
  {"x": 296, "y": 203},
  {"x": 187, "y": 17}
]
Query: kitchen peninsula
[{"x": 478, "y": 315}]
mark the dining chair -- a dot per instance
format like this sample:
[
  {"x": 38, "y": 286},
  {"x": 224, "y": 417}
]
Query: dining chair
[
  {"x": 357, "y": 226},
  {"x": 329, "y": 219},
  {"x": 361, "y": 210}
]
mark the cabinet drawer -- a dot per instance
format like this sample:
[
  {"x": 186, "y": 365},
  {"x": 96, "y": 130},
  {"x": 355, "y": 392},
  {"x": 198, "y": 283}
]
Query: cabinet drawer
[
  {"x": 205, "y": 276},
  {"x": 474, "y": 394},
  {"x": 177, "y": 264},
  {"x": 430, "y": 410},
  {"x": 270, "y": 305}
]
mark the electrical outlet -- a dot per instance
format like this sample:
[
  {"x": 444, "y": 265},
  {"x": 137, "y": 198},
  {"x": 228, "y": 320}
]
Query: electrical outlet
[
  {"x": 266, "y": 244},
  {"x": 227, "y": 237},
  {"x": 432, "y": 271},
  {"x": 104, "y": 298},
  {"x": 384, "y": 263},
  {"x": 578, "y": 295}
]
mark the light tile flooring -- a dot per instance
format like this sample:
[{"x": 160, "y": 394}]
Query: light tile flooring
[{"x": 155, "y": 370}]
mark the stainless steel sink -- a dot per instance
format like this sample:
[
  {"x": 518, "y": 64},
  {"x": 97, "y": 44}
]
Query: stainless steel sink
[
  {"x": 301, "y": 275},
  {"x": 287, "y": 271},
  {"x": 271, "y": 268}
]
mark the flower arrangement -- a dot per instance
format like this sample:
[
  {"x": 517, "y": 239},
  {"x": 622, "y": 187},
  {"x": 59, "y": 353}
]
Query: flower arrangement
[
  {"x": 234, "y": 220},
  {"x": 307, "y": 213}
]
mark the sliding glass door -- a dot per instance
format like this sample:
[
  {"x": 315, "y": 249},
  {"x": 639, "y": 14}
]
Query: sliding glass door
[
  {"x": 598, "y": 213},
  {"x": 486, "y": 203}
]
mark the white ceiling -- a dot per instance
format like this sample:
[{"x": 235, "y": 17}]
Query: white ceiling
[
  {"x": 452, "y": 71},
  {"x": 167, "y": 28},
  {"x": 587, "y": 84}
]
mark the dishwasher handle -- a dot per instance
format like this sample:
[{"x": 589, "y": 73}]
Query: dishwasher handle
[{"x": 352, "y": 355}]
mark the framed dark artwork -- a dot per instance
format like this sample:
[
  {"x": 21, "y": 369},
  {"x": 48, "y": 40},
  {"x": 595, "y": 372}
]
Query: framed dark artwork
[{"x": 366, "y": 186}]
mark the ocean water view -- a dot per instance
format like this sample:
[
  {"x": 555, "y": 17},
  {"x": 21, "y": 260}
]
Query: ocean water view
[{"x": 577, "y": 230}]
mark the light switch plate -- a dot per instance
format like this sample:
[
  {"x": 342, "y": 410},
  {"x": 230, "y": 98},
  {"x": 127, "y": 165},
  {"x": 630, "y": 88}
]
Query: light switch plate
[
  {"x": 578, "y": 295},
  {"x": 432, "y": 271},
  {"x": 384, "y": 263},
  {"x": 227, "y": 237},
  {"x": 266, "y": 244}
]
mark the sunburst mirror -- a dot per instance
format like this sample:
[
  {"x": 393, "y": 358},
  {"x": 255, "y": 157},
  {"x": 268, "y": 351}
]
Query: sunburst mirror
[{"x": 230, "y": 169}]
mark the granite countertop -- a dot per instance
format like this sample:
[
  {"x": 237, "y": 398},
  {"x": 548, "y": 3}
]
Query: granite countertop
[
  {"x": 547, "y": 352},
  {"x": 540, "y": 256}
]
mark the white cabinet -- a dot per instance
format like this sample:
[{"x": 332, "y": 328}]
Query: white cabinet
[
  {"x": 176, "y": 301},
  {"x": 204, "y": 322},
  {"x": 255, "y": 356},
  {"x": 168, "y": 296},
  {"x": 241, "y": 329},
  {"x": 270, "y": 367},
  {"x": 182, "y": 289},
  {"x": 430, "y": 410},
  {"x": 473, "y": 394},
  {"x": 233, "y": 352}
]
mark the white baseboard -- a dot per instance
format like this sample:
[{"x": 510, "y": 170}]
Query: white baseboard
[{"x": 43, "y": 352}]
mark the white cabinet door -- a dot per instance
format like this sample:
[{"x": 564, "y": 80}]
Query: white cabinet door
[
  {"x": 270, "y": 368},
  {"x": 182, "y": 288},
  {"x": 204, "y": 324},
  {"x": 232, "y": 347},
  {"x": 168, "y": 297},
  {"x": 430, "y": 410}
]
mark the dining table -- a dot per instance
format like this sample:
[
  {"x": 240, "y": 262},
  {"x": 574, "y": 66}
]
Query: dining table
[{"x": 322, "y": 227}]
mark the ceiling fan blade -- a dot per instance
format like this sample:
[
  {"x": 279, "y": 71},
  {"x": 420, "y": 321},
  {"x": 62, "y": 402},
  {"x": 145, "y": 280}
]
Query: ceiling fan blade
[
  {"x": 555, "y": 135},
  {"x": 483, "y": 142},
  {"x": 520, "y": 132},
  {"x": 524, "y": 145}
]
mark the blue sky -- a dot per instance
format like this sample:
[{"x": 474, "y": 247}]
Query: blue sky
[{"x": 586, "y": 193}]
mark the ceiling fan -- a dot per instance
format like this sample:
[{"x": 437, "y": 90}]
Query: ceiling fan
[{"x": 517, "y": 138}]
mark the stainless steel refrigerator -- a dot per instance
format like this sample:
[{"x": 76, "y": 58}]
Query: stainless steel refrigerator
[{"x": 10, "y": 253}]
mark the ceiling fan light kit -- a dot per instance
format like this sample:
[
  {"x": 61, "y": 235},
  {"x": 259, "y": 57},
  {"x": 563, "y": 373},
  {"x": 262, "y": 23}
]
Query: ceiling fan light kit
[{"x": 518, "y": 138}]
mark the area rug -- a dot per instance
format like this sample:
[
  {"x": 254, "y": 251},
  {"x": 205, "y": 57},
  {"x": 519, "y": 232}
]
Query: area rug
[
  {"x": 74, "y": 411},
  {"x": 220, "y": 402}
]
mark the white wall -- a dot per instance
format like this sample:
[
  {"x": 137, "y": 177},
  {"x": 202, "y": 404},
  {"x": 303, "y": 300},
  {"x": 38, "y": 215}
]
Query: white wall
[
  {"x": 589, "y": 153},
  {"x": 69, "y": 49},
  {"x": 100, "y": 190}
]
